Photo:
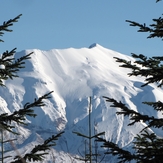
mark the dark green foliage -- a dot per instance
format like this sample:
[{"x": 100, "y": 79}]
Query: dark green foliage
[
  {"x": 146, "y": 143},
  {"x": 38, "y": 152},
  {"x": 135, "y": 116},
  {"x": 155, "y": 29},
  {"x": 148, "y": 147},
  {"x": 123, "y": 155},
  {"x": 9, "y": 66},
  {"x": 150, "y": 68},
  {"x": 5, "y": 25},
  {"x": 19, "y": 116}
]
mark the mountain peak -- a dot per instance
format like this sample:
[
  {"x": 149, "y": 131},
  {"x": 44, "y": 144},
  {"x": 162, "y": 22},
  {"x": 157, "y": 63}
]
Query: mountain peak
[{"x": 93, "y": 45}]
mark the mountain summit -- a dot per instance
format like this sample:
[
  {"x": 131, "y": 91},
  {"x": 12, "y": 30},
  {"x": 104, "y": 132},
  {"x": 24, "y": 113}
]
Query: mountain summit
[
  {"x": 74, "y": 75},
  {"x": 93, "y": 45}
]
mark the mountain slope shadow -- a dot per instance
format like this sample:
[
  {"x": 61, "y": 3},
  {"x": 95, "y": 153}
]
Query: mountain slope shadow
[
  {"x": 42, "y": 120},
  {"x": 145, "y": 95}
]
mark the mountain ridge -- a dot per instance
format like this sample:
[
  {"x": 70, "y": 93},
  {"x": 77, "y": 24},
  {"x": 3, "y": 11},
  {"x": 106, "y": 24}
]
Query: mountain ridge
[{"x": 74, "y": 75}]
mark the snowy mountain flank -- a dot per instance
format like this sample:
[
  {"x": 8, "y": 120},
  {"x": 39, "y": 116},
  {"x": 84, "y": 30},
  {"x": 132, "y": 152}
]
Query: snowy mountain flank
[{"x": 74, "y": 75}]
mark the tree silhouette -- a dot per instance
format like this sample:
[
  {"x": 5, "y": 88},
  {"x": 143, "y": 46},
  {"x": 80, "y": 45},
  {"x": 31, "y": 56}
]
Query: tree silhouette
[
  {"x": 148, "y": 146},
  {"x": 9, "y": 66}
]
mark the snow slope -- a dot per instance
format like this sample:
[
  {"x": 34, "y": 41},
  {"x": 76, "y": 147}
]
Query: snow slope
[{"x": 74, "y": 75}]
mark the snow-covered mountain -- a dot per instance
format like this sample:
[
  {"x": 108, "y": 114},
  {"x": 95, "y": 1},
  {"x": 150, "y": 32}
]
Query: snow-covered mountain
[{"x": 74, "y": 75}]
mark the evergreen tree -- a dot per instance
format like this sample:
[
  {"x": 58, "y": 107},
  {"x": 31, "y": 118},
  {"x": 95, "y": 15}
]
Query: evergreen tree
[
  {"x": 148, "y": 146},
  {"x": 9, "y": 66}
]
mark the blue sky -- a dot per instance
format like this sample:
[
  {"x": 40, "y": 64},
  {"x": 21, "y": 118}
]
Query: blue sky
[{"x": 72, "y": 23}]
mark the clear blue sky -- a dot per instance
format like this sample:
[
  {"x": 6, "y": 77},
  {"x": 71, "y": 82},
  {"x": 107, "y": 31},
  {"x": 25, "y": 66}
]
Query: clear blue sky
[{"x": 48, "y": 24}]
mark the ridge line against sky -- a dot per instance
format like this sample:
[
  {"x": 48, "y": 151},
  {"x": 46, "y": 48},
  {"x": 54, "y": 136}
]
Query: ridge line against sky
[{"x": 62, "y": 24}]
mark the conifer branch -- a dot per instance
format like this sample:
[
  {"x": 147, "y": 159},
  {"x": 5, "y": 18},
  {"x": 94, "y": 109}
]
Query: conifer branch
[
  {"x": 5, "y": 26},
  {"x": 38, "y": 152},
  {"x": 155, "y": 29},
  {"x": 150, "y": 68},
  {"x": 149, "y": 147},
  {"x": 135, "y": 116},
  {"x": 158, "y": 106},
  {"x": 10, "y": 66},
  {"x": 19, "y": 116},
  {"x": 115, "y": 150}
]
